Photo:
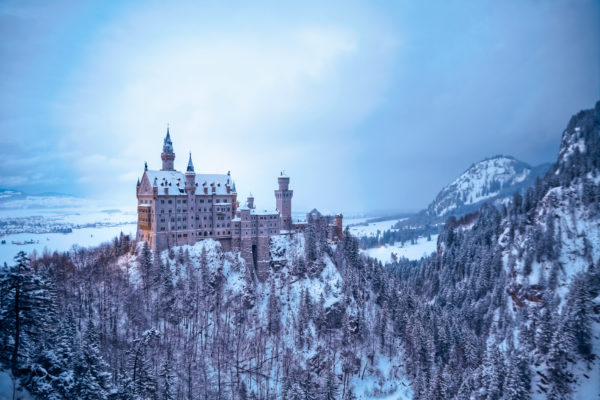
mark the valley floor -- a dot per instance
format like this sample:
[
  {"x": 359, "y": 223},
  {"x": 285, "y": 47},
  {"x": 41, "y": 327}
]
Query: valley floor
[{"x": 421, "y": 248}]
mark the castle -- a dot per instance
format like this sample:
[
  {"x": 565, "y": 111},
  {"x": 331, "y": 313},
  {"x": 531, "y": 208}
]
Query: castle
[{"x": 176, "y": 208}]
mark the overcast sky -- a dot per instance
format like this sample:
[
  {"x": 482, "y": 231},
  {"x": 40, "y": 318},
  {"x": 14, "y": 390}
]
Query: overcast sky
[{"x": 366, "y": 105}]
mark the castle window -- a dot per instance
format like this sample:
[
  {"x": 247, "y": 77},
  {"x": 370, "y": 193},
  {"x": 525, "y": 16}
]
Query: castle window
[
  {"x": 201, "y": 200},
  {"x": 162, "y": 202},
  {"x": 185, "y": 202},
  {"x": 170, "y": 201}
]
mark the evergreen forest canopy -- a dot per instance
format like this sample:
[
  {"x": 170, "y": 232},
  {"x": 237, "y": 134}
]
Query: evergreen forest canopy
[{"x": 506, "y": 308}]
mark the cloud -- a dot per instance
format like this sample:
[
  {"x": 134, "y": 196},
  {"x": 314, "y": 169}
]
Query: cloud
[
  {"x": 12, "y": 181},
  {"x": 21, "y": 180},
  {"x": 234, "y": 97},
  {"x": 365, "y": 105}
]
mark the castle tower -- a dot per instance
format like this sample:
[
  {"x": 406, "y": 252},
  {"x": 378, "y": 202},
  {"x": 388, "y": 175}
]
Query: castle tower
[
  {"x": 250, "y": 201},
  {"x": 167, "y": 155},
  {"x": 190, "y": 177},
  {"x": 339, "y": 227},
  {"x": 283, "y": 198}
]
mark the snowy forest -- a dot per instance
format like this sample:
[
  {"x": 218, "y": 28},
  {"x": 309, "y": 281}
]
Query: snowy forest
[{"x": 507, "y": 308}]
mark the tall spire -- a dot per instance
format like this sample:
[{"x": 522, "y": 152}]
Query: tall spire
[
  {"x": 167, "y": 144},
  {"x": 168, "y": 156},
  {"x": 190, "y": 167}
]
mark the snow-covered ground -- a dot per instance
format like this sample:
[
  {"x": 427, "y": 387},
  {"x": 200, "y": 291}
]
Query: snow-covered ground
[
  {"x": 84, "y": 237},
  {"x": 422, "y": 248},
  {"x": 6, "y": 388},
  {"x": 86, "y": 226},
  {"x": 385, "y": 382},
  {"x": 73, "y": 217},
  {"x": 354, "y": 221},
  {"x": 373, "y": 228}
]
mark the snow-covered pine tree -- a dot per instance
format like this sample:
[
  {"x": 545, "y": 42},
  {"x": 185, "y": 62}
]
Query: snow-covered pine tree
[{"x": 91, "y": 379}]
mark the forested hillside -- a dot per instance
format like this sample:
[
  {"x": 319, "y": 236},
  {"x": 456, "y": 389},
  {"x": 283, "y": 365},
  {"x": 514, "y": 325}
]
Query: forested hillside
[
  {"x": 194, "y": 322},
  {"x": 492, "y": 180},
  {"x": 508, "y": 308}
]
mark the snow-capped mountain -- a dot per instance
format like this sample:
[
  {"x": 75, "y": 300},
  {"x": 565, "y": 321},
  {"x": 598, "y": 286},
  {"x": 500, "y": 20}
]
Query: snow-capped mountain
[
  {"x": 512, "y": 296},
  {"x": 493, "y": 180},
  {"x": 508, "y": 307}
]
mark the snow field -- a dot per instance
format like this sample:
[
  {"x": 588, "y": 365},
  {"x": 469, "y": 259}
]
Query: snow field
[{"x": 416, "y": 251}]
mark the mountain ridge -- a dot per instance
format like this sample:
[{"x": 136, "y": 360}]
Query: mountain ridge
[{"x": 493, "y": 179}]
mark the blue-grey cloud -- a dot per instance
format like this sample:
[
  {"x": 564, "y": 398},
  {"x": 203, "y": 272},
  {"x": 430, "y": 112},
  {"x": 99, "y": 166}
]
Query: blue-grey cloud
[{"x": 366, "y": 105}]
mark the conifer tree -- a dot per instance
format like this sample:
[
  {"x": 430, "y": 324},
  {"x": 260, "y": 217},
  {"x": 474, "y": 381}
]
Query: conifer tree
[
  {"x": 91, "y": 379},
  {"x": 25, "y": 311},
  {"x": 517, "y": 385},
  {"x": 579, "y": 309},
  {"x": 167, "y": 381},
  {"x": 331, "y": 387},
  {"x": 273, "y": 311},
  {"x": 559, "y": 376}
]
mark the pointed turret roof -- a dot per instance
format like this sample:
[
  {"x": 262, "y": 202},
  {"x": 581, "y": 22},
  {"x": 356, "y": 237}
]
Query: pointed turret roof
[
  {"x": 190, "y": 167},
  {"x": 315, "y": 212},
  {"x": 167, "y": 144},
  {"x": 233, "y": 188}
]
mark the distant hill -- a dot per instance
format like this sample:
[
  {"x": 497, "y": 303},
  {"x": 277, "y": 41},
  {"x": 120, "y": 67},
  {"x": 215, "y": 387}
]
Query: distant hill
[{"x": 493, "y": 180}]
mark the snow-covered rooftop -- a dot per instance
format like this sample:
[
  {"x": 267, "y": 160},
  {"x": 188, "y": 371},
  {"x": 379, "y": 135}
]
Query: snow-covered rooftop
[{"x": 175, "y": 182}]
